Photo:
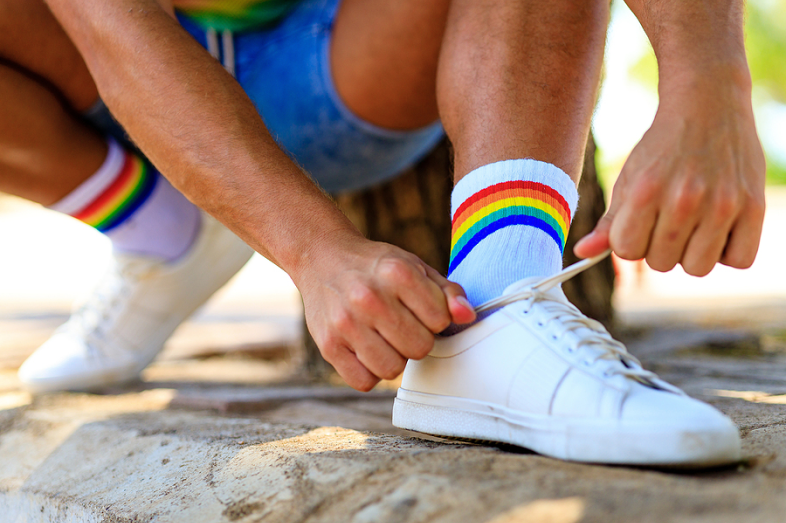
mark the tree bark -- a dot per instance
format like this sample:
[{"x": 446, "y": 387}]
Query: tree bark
[{"x": 413, "y": 212}]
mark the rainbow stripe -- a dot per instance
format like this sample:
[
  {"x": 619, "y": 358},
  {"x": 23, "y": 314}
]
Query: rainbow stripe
[
  {"x": 126, "y": 194},
  {"x": 505, "y": 204},
  {"x": 234, "y": 15}
]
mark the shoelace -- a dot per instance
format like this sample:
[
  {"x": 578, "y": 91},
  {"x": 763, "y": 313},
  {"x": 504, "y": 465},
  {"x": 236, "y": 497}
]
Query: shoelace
[{"x": 594, "y": 337}]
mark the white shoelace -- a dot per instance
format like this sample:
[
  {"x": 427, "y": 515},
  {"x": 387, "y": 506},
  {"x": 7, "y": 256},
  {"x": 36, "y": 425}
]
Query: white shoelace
[{"x": 594, "y": 337}]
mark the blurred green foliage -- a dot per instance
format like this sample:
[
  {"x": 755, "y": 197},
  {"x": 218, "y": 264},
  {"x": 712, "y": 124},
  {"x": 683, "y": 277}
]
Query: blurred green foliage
[{"x": 765, "y": 41}]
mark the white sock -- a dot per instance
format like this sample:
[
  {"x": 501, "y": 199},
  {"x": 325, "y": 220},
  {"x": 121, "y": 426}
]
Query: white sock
[
  {"x": 138, "y": 209},
  {"x": 510, "y": 222}
]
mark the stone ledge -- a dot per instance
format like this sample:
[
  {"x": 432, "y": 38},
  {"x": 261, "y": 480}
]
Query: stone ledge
[{"x": 128, "y": 458}]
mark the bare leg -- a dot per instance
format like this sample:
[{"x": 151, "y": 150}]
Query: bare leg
[
  {"x": 519, "y": 80},
  {"x": 45, "y": 150},
  {"x": 515, "y": 79}
]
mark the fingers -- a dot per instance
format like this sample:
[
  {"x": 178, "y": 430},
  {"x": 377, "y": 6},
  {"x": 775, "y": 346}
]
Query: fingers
[
  {"x": 433, "y": 300},
  {"x": 677, "y": 225},
  {"x": 696, "y": 227},
  {"x": 408, "y": 281},
  {"x": 349, "y": 367},
  {"x": 634, "y": 221},
  {"x": 461, "y": 311},
  {"x": 402, "y": 331},
  {"x": 595, "y": 242},
  {"x": 377, "y": 355},
  {"x": 361, "y": 356},
  {"x": 626, "y": 225},
  {"x": 743, "y": 242}
]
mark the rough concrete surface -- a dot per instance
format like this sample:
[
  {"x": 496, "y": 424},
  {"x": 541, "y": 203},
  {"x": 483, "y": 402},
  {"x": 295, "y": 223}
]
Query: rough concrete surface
[
  {"x": 224, "y": 429},
  {"x": 178, "y": 448}
]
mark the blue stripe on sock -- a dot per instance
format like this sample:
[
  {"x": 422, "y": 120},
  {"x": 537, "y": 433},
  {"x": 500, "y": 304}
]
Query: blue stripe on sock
[{"x": 507, "y": 221}]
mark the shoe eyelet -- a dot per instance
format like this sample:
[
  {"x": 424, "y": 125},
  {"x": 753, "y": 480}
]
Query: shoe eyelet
[
  {"x": 554, "y": 337},
  {"x": 540, "y": 324}
]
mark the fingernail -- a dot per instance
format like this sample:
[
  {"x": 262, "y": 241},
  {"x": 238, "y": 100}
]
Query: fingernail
[{"x": 463, "y": 301}]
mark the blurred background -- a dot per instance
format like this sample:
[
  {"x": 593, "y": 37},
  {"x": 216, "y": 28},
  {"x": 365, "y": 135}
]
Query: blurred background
[{"x": 48, "y": 262}]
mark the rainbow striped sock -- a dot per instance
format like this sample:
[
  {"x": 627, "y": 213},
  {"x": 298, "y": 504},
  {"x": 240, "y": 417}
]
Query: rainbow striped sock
[
  {"x": 510, "y": 222},
  {"x": 136, "y": 207},
  {"x": 132, "y": 186}
]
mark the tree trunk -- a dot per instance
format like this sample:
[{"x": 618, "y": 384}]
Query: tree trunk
[{"x": 413, "y": 212}]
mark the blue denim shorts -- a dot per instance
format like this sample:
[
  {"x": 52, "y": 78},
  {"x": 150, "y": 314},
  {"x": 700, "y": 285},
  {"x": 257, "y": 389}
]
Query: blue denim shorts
[{"x": 285, "y": 70}]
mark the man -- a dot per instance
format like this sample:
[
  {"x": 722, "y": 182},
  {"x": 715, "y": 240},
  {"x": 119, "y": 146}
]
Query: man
[{"x": 352, "y": 91}]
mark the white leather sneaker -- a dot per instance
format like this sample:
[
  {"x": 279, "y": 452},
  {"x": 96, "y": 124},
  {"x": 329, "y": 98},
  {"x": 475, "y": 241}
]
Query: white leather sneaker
[
  {"x": 539, "y": 374},
  {"x": 133, "y": 310}
]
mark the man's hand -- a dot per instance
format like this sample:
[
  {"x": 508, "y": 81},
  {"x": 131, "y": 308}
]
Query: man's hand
[
  {"x": 371, "y": 306},
  {"x": 691, "y": 192}
]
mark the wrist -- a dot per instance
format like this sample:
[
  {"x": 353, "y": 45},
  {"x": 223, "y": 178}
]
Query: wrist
[
  {"x": 697, "y": 44},
  {"x": 704, "y": 80},
  {"x": 717, "y": 89},
  {"x": 323, "y": 248}
]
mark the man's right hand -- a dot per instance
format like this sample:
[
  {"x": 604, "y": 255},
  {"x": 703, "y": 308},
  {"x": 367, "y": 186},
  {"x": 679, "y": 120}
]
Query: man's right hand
[{"x": 371, "y": 306}]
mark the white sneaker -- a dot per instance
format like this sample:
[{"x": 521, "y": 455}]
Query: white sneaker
[
  {"x": 132, "y": 312},
  {"x": 540, "y": 375}
]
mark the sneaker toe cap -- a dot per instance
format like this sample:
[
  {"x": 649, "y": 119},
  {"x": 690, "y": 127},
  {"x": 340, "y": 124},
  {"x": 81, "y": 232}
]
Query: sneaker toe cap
[{"x": 63, "y": 362}]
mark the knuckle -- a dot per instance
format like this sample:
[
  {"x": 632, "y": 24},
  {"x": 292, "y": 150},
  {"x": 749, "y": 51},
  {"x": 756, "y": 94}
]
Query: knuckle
[
  {"x": 396, "y": 270},
  {"x": 646, "y": 189},
  {"x": 342, "y": 320},
  {"x": 688, "y": 198},
  {"x": 363, "y": 297},
  {"x": 330, "y": 349},
  {"x": 725, "y": 205}
]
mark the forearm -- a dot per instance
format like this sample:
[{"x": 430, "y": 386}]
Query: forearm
[
  {"x": 198, "y": 127},
  {"x": 696, "y": 40}
]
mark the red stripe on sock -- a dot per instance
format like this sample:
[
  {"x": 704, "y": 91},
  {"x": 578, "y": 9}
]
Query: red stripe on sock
[
  {"x": 120, "y": 182},
  {"x": 516, "y": 184}
]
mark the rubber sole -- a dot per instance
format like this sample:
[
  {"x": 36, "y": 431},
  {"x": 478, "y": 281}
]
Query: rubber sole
[{"x": 583, "y": 440}]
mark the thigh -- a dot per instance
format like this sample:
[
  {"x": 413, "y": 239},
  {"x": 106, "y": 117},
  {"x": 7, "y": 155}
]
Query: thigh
[
  {"x": 287, "y": 73},
  {"x": 32, "y": 39},
  {"x": 384, "y": 58}
]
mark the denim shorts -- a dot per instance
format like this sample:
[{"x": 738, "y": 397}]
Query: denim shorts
[{"x": 285, "y": 70}]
